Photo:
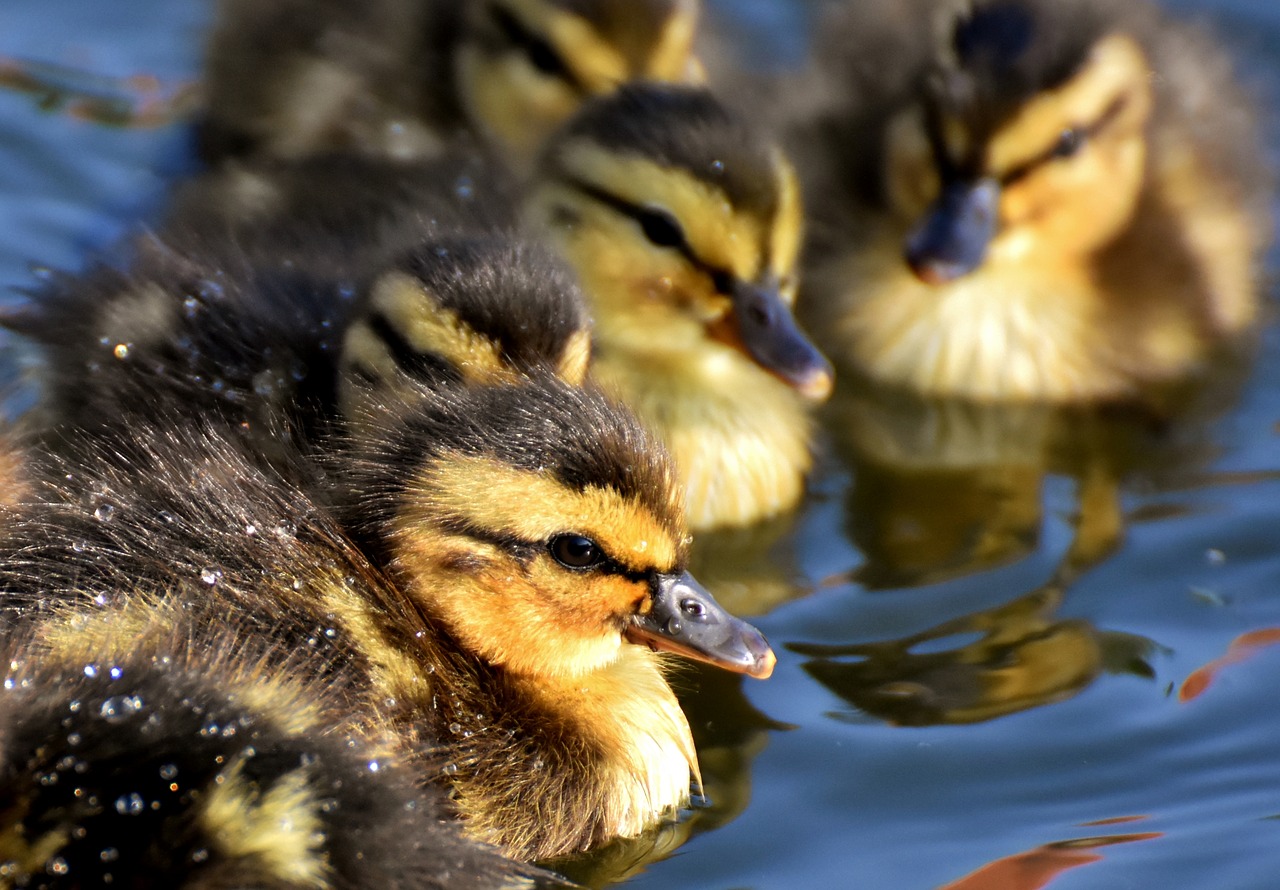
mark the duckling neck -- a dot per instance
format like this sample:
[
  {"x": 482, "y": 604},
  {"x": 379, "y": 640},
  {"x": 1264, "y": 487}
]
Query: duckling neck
[
  {"x": 547, "y": 767},
  {"x": 740, "y": 437}
]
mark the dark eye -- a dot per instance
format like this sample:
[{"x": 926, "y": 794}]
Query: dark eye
[
  {"x": 660, "y": 228},
  {"x": 1069, "y": 142},
  {"x": 576, "y": 552},
  {"x": 722, "y": 281},
  {"x": 693, "y": 608}
]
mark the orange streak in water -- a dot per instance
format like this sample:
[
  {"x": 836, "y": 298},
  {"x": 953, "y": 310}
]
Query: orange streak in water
[
  {"x": 1034, "y": 869},
  {"x": 1241, "y": 648}
]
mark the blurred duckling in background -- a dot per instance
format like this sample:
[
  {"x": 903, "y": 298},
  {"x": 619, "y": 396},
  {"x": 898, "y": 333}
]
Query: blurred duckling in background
[
  {"x": 533, "y": 542},
  {"x": 1055, "y": 200},
  {"x": 683, "y": 225},
  {"x": 399, "y": 78}
]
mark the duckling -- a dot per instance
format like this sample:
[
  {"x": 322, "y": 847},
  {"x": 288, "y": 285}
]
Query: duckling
[
  {"x": 529, "y": 549},
  {"x": 153, "y": 763},
  {"x": 278, "y": 350},
  {"x": 1053, "y": 201},
  {"x": 683, "y": 225},
  {"x": 398, "y": 78}
]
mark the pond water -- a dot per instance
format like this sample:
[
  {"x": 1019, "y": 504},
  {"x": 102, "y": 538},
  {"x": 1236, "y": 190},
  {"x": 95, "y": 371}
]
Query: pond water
[{"x": 1016, "y": 648}]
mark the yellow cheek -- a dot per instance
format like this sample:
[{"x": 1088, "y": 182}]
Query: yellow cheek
[
  {"x": 514, "y": 107},
  {"x": 1078, "y": 204}
]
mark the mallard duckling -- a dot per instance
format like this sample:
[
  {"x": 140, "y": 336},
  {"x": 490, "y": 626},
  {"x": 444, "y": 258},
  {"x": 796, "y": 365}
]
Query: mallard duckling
[
  {"x": 397, "y": 78},
  {"x": 534, "y": 547},
  {"x": 1054, "y": 200},
  {"x": 277, "y": 349},
  {"x": 682, "y": 223},
  {"x": 132, "y": 758}
]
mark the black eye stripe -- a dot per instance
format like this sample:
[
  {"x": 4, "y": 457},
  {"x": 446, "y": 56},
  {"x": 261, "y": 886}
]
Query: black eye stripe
[
  {"x": 418, "y": 365},
  {"x": 541, "y": 54},
  {"x": 662, "y": 230},
  {"x": 1068, "y": 143}
]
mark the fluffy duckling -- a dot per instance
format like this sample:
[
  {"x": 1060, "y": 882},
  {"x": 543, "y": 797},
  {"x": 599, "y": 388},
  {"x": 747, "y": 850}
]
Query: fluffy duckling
[
  {"x": 530, "y": 549},
  {"x": 132, "y": 758},
  {"x": 398, "y": 77},
  {"x": 1051, "y": 200},
  {"x": 683, "y": 225},
  {"x": 277, "y": 349}
]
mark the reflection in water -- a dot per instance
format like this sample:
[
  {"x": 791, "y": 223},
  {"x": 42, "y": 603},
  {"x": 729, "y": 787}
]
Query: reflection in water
[
  {"x": 1241, "y": 649},
  {"x": 1006, "y": 659},
  {"x": 1033, "y": 869},
  {"x": 138, "y": 102},
  {"x": 750, "y": 570},
  {"x": 944, "y": 488}
]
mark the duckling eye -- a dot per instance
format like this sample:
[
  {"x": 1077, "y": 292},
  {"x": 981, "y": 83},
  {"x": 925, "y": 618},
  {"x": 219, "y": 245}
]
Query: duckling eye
[
  {"x": 1069, "y": 142},
  {"x": 722, "y": 281},
  {"x": 693, "y": 609},
  {"x": 576, "y": 552},
  {"x": 660, "y": 228}
]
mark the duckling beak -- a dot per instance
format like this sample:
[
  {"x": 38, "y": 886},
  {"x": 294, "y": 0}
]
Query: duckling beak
[
  {"x": 762, "y": 326},
  {"x": 687, "y": 620},
  {"x": 952, "y": 239}
]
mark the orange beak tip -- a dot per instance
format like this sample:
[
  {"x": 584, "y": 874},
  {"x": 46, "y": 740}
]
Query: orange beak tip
[{"x": 764, "y": 670}]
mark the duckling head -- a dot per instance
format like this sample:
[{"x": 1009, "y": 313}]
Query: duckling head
[
  {"x": 683, "y": 224},
  {"x": 1029, "y": 142},
  {"x": 463, "y": 309},
  {"x": 525, "y": 66},
  {"x": 544, "y": 530}
]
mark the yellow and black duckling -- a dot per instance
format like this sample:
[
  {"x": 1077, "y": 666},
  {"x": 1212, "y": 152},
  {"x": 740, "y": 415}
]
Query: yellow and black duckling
[
  {"x": 1053, "y": 200},
  {"x": 683, "y": 225},
  {"x": 530, "y": 548},
  {"x": 276, "y": 349},
  {"x": 397, "y": 78}
]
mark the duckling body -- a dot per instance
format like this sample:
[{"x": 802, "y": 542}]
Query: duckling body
[
  {"x": 545, "y": 713},
  {"x": 155, "y": 764},
  {"x": 1048, "y": 201},
  {"x": 252, "y": 331},
  {"x": 400, "y": 78}
]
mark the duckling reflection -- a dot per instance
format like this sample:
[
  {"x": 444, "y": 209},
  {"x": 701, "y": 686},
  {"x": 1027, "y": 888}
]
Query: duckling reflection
[
  {"x": 1032, "y": 199},
  {"x": 398, "y": 78},
  {"x": 944, "y": 488},
  {"x": 1016, "y": 656}
]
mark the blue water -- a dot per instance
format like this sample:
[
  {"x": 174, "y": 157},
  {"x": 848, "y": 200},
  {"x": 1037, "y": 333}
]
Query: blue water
[{"x": 812, "y": 781}]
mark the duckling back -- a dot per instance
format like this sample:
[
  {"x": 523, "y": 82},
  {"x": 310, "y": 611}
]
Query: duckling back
[{"x": 156, "y": 764}]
